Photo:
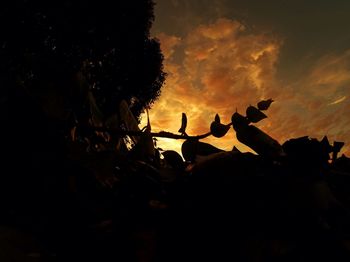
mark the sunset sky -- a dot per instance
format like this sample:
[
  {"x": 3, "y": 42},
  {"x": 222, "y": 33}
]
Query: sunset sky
[{"x": 223, "y": 55}]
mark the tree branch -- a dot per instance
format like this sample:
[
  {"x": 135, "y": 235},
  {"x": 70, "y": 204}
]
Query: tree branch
[{"x": 163, "y": 134}]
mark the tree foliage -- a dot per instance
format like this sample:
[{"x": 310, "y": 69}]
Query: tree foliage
[{"x": 46, "y": 42}]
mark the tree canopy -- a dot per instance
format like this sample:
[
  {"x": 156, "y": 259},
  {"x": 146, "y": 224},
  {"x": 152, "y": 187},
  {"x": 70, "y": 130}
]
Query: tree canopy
[{"x": 108, "y": 41}]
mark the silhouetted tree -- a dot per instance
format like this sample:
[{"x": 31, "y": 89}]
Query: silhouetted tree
[
  {"x": 53, "y": 55},
  {"x": 47, "y": 42}
]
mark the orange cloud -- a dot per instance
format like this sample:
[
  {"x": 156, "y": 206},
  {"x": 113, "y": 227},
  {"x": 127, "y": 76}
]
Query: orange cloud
[
  {"x": 221, "y": 67},
  {"x": 168, "y": 44}
]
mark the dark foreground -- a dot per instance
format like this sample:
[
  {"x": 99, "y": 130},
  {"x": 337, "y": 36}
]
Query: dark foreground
[{"x": 229, "y": 206}]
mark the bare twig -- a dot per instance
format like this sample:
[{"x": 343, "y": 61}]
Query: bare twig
[{"x": 164, "y": 134}]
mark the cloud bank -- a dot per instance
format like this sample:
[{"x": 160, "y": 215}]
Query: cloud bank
[{"x": 221, "y": 67}]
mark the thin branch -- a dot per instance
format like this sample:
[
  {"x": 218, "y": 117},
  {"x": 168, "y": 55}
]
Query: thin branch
[
  {"x": 175, "y": 136},
  {"x": 163, "y": 134}
]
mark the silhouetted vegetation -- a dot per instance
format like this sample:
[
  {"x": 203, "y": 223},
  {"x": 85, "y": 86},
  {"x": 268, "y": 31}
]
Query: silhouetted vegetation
[
  {"x": 80, "y": 181},
  {"x": 46, "y": 43}
]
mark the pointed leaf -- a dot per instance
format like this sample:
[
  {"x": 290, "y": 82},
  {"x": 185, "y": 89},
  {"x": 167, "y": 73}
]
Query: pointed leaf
[
  {"x": 260, "y": 142},
  {"x": 189, "y": 149},
  {"x": 235, "y": 149},
  {"x": 182, "y": 129},
  {"x": 144, "y": 149},
  {"x": 205, "y": 149},
  {"x": 148, "y": 128},
  {"x": 192, "y": 147},
  {"x": 128, "y": 119},
  {"x": 325, "y": 144},
  {"x": 265, "y": 104},
  {"x": 174, "y": 159},
  {"x": 217, "y": 118},
  {"x": 337, "y": 146},
  {"x": 239, "y": 121},
  {"x": 218, "y": 130},
  {"x": 254, "y": 114}
]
